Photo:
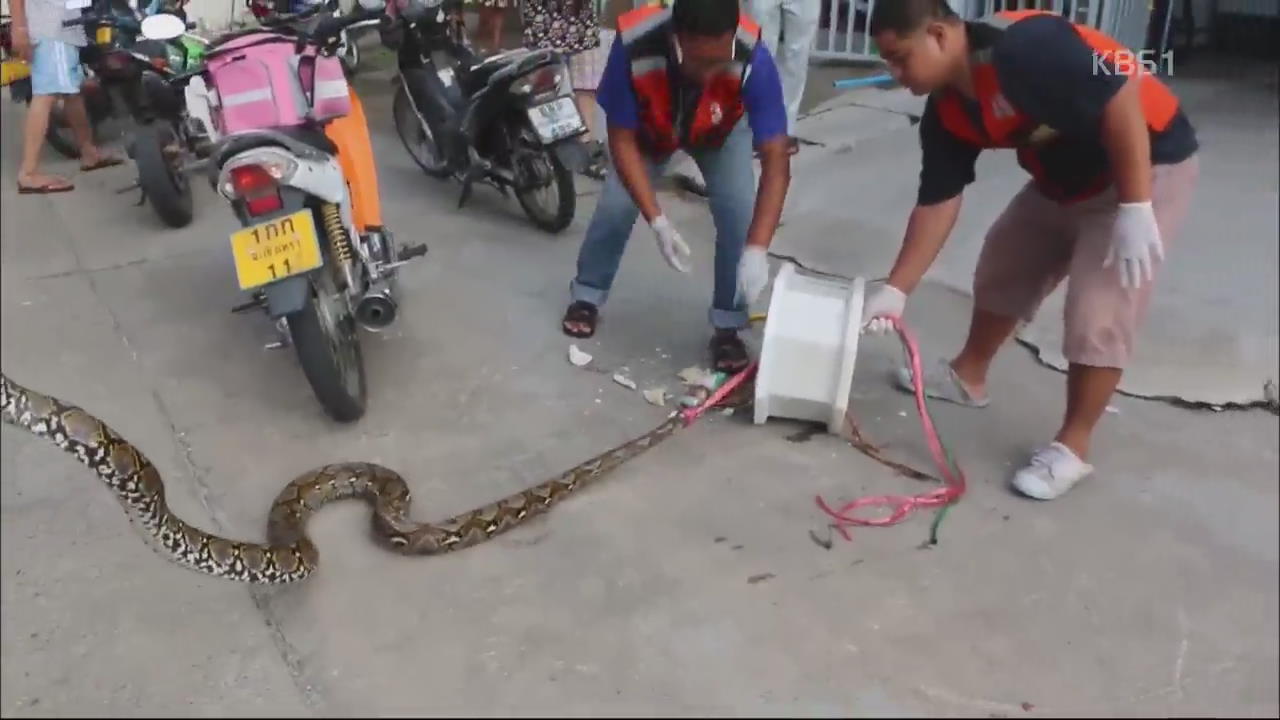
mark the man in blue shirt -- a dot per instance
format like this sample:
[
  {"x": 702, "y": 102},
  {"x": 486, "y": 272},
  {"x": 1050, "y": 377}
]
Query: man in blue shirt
[{"x": 694, "y": 77}]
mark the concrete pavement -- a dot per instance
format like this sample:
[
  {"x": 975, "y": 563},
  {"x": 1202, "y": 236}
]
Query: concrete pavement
[{"x": 685, "y": 584}]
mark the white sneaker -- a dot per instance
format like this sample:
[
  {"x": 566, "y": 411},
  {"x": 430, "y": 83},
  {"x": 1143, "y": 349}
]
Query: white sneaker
[{"x": 1052, "y": 471}]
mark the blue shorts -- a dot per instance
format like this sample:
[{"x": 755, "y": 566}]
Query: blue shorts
[{"x": 55, "y": 68}]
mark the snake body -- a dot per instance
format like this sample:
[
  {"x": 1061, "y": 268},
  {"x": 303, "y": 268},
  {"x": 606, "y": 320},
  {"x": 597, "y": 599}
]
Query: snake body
[{"x": 289, "y": 555}]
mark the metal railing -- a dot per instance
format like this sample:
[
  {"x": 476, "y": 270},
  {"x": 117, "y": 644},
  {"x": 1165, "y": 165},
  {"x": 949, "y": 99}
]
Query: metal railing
[{"x": 844, "y": 32}]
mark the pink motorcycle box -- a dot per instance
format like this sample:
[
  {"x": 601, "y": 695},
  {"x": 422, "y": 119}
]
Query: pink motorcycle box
[{"x": 262, "y": 82}]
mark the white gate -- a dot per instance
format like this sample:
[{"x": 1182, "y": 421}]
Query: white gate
[{"x": 844, "y": 33}]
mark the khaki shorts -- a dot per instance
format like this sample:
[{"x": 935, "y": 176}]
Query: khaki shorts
[{"x": 1036, "y": 243}]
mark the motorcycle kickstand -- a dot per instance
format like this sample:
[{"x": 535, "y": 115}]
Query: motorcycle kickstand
[{"x": 476, "y": 170}]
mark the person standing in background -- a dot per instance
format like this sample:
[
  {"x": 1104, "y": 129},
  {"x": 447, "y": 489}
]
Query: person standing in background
[
  {"x": 571, "y": 27},
  {"x": 490, "y": 30},
  {"x": 788, "y": 27},
  {"x": 54, "y": 53},
  {"x": 585, "y": 70}
]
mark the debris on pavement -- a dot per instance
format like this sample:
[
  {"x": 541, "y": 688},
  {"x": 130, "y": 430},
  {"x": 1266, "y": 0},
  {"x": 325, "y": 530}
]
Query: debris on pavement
[
  {"x": 760, "y": 578},
  {"x": 656, "y": 396},
  {"x": 1113, "y": 409},
  {"x": 825, "y": 544},
  {"x": 624, "y": 381},
  {"x": 695, "y": 397},
  {"x": 698, "y": 376},
  {"x": 578, "y": 357}
]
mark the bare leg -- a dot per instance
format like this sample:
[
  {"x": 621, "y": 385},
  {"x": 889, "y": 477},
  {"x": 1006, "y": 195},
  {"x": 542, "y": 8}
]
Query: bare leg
[
  {"x": 987, "y": 332},
  {"x": 490, "y": 29},
  {"x": 586, "y": 100},
  {"x": 37, "y": 123},
  {"x": 1089, "y": 389},
  {"x": 78, "y": 119},
  {"x": 33, "y": 133},
  {"x": 498, "y": 14}
]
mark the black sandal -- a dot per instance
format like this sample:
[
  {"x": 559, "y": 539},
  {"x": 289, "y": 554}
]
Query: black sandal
[
  {"x": 580, "y": 312},
  {"x": 728, "y": 352}
]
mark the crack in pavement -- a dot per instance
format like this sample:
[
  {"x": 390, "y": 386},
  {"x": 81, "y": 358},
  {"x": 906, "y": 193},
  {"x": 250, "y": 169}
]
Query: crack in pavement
[
  {"x": 81, "y": 270},
  {"x": 86, "y": 271},
  {"x": 260, "y": 596},
  {"x": 1267, "y": 404},
  {"x": 912, "y": 117}
]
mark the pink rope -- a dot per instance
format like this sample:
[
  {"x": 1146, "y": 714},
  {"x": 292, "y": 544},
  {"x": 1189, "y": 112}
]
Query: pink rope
[{"x": 903, "y": 505}]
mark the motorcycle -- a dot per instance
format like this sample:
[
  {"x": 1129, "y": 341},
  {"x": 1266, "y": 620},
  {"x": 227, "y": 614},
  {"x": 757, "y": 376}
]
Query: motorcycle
[
  {"x": 291, "y": 157},
  {"x": 132, "y": 78},
  {"x": 508, "y": 120}
]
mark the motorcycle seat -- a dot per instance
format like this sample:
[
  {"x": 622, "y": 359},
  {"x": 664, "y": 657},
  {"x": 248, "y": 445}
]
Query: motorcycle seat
[
  {"x": 304, "y": 139},
  {"x": 477, "y": 76}
]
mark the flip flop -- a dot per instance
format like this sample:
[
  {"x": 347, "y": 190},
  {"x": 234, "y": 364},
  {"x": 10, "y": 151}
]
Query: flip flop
[
  {"x": 53, "y": 186},
  {"x": 583, "y": 313},
  {"x": 105, "y": 161},
  {"x": 728, "y": 352}
]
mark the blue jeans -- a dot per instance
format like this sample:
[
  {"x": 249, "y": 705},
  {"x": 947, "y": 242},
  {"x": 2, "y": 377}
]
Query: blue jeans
[{"x": 731, "y": 185}]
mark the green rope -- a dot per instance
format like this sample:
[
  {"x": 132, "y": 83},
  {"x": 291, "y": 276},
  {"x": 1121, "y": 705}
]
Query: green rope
[{"x": 941, "y": 514}]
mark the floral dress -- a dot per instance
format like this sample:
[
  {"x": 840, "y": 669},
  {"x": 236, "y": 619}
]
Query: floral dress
[{"x": 570, "y": 26}]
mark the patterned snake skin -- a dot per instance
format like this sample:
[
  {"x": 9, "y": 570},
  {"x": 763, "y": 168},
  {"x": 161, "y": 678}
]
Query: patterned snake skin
[{"x": 289, "y": 555}]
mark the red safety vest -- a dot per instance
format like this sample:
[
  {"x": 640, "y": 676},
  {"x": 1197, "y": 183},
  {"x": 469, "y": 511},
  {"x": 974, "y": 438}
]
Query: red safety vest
[
  {"x": 1004, "y": 126},
  {"x": 645, "y": 33}
]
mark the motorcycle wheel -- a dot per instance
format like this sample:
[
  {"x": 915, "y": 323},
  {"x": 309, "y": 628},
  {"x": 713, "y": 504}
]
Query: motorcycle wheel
[
  {"x": 555, "y": 214},
  {"x": 60, "y": 136},
  {"x": 165, "y": 186},
  {"x": 328, "y": 349},
  {"x": 418, "y": 140},
  {"x": 349, "y": 53}
]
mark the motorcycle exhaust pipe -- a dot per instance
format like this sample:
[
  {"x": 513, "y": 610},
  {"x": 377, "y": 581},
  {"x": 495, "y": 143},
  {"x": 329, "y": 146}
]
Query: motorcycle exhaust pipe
[{"x": 376, "y": 309}]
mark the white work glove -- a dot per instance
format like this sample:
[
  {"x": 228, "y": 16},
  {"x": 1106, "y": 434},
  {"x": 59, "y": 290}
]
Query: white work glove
[
  {"x": 888, "y": 302},
  {"x": 670, "y": 244},
  {"x": 1135, "y": 243},
  {"x": 753, "y": 273}
]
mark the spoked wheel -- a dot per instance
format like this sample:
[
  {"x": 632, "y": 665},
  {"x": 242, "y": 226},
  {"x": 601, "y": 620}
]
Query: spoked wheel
[
  {"x": 328, "y": 346},
  {"x": 545, "y": 188},
  {"x": 416, "y": 134}
]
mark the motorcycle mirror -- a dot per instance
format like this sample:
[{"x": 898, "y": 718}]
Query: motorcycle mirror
[{"x": 163, "y": 26}]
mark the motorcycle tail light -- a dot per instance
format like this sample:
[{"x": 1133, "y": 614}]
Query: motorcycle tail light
[
  {"x": 543, "y": 80},
  {"x": 257, "y": 188},
  {"x": 117, "y": 61}
]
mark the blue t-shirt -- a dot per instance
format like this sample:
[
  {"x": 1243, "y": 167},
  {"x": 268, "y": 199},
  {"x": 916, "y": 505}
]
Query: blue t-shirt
[{"x": 761, "y": 93}]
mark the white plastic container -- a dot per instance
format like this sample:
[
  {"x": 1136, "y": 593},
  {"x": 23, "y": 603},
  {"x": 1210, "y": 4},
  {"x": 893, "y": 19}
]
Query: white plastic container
[{"x": 810, "y": 347}]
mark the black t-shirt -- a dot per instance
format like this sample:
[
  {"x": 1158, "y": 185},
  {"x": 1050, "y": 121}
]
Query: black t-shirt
[{"x": 1046, "y": 71}]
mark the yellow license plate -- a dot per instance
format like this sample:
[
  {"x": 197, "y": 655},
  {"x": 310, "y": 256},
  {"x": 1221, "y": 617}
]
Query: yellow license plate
[
  {"x": 276, "y": 249},
  {"x": 104, "y": 36}
]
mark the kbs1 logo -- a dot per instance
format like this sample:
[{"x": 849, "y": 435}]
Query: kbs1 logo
[{"x": 1128, "y": 62}]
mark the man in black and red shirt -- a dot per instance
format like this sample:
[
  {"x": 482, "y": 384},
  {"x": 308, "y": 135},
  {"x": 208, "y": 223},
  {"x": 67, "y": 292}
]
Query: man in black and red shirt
[{"x": 1113, "y": 162}]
